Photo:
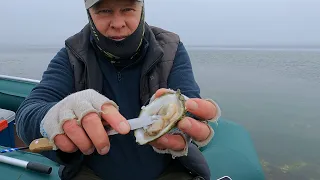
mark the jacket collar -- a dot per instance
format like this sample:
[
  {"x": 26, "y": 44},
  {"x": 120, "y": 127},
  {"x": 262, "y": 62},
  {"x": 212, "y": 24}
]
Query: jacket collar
[{"x": 80, "y": 45}]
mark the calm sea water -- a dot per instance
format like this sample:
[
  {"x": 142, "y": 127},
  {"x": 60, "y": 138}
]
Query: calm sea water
[{"x": 274, "y": 94}]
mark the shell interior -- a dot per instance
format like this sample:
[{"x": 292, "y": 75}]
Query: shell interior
[{"x": 169, "y": 108}]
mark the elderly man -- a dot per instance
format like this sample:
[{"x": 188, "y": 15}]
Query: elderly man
[{"x": 103, "y": 75}]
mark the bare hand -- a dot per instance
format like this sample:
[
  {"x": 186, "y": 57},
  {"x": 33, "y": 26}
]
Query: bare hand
[
  {"x": 92, "y": 135},
  {"x": 195, "y": 129}
]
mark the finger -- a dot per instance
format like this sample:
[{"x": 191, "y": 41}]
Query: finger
[
  {"x": 157, "y": 145},
  {"x": 160, "y": 92},
  {"x": 160, "y": 143},
  {"x": 196, "y": 129},
  {"x": 202, "y": 108},
  {"x": 115, "y": 119},
  {"x": 96, "y": 132},
  {"x": 78, "y": 136},
  {"x": 168, "y": 141},
  {"x": 65, "y": 144}
]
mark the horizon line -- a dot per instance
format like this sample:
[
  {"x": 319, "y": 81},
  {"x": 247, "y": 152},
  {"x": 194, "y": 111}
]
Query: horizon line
[{"x": 286, "y": 46}]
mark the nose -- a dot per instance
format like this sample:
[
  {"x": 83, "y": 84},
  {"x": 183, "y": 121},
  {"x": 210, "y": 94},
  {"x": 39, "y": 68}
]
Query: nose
[{"x": 117, "y": 22}]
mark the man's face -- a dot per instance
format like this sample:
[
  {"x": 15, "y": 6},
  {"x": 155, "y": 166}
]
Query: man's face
[{"x": 116, "y": 19}]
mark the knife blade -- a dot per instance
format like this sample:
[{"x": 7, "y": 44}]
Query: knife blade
[{"x": 135, "y": 123}]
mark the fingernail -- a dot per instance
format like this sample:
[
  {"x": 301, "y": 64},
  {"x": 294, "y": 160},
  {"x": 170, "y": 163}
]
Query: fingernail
[
  {"x": 105, "y": 150},
  {"x": 192, "y": 105},
  {"x": 185, "y": 124},
  {"x": 124, "y": 127},
  {"x": 90, "y": 151}
]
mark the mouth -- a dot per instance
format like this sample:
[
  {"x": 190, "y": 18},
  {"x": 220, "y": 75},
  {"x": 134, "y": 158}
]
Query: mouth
[{"x": 117, "y": 38}]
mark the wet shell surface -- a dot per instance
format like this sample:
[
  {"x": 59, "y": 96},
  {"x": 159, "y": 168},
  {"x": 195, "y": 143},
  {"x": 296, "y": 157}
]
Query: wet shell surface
[{"x": 169, "y": 109}]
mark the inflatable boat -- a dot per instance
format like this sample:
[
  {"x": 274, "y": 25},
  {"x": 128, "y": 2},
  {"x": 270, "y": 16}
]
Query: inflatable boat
[{"x": 230, "y": 154}]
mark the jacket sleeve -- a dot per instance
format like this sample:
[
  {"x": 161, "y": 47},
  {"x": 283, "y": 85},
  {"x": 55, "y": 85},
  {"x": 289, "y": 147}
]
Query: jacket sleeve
[
  {"x": 53, "y": 87},
  {"x": 181, "y": 75}
]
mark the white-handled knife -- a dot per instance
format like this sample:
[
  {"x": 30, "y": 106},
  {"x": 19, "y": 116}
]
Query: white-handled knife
[
  {"x": 136, "y": 123},
  {"x": 43, "y": 144}
]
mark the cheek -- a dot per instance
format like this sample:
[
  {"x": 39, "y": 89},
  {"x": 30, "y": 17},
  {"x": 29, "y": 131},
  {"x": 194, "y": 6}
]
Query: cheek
[
  {"x": 102, "y": 26},
  {"x": 133, "y": 23}
]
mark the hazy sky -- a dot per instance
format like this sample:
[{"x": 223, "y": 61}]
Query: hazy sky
[{"x": 198, "y": 22}]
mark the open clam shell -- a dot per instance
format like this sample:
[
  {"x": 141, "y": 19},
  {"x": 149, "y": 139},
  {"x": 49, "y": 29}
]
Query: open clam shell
[{"x": 169, "y": 108}]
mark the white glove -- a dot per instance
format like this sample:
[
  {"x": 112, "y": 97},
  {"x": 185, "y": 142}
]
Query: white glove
[{"x": 74, "y": 106}]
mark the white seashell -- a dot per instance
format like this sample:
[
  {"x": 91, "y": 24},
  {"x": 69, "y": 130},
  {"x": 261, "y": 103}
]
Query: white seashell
[{"x": 169, "y": 109}]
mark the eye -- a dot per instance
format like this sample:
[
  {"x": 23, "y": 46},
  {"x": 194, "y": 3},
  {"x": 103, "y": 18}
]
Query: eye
[
  {"x": 104, "y": 11},
  {"x": 128, "y": 9}
]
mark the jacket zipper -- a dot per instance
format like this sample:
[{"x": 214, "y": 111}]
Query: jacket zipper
[
  {"x": 119, "y": 76},
  {"x": 152, "y": 65}
]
